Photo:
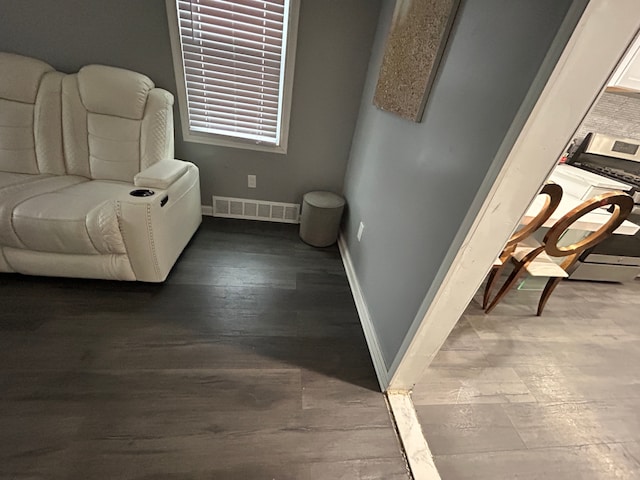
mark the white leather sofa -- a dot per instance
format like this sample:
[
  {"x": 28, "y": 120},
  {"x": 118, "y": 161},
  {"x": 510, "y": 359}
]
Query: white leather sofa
[{"x": 72, "y": 148}]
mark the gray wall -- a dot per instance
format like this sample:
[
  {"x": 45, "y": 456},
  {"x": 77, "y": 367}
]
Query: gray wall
[
  {"x": 334, "y": 42},
  {"x": 412, "y": 184}
]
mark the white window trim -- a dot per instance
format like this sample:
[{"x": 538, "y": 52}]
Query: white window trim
[{"x": 222, "y": 140}]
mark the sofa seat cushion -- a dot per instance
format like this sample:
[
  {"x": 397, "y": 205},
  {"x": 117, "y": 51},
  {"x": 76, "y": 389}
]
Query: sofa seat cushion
[
  {"x": 79, "y": 219},
  {"x": 9, "y": 178},
  {"x": 20, "y": 188}
]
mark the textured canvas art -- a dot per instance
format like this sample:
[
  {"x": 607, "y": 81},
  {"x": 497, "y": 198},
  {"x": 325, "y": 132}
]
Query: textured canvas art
[{"x": 414, "y": 46}]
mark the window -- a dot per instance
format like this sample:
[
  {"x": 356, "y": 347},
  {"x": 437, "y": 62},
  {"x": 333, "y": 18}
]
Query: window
[{"x": 234, "y": 70}]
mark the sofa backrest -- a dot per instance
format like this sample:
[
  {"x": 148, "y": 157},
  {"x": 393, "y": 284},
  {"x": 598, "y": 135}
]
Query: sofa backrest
[
  {"x": 101, "y": 123},
  {"x": 30, "y": 129},
  {"x": 114, "y": 123}
]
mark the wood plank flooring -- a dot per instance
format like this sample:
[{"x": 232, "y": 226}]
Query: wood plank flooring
[
  {"x": 249, "y": 362},
  {"x": 512, "y": 395}
]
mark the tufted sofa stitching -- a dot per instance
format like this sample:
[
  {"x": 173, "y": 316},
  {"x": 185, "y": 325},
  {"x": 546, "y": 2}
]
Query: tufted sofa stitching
[
  {"x": 152, "y": 242},
  {"x": 90, "y": 237},
  {"x": 108, "y": 229},
  {"x": 155, "y": 138}
]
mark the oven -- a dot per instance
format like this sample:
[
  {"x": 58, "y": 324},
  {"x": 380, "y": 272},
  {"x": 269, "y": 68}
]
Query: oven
[{"x": 616, "y": 259}]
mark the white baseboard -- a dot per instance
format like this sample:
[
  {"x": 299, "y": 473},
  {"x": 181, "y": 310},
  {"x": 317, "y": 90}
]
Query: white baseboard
[
  {"x": 404, "y": 414},
  {"x": 207, "y": 210},
  {"x": 415, "y": 445},
  {"x": 365, "y": 318}
]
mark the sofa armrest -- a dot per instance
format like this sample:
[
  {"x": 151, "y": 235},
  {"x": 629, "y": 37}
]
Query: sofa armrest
[
  {"x": 155, "y": 229},
  {"x": 161, "y": 174}
]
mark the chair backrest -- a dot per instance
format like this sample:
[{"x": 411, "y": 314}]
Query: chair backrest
[
  {"x": 115, "y": 123},
  {"x": 553, "y": 193},
  {"x": 622, "y": 206}
]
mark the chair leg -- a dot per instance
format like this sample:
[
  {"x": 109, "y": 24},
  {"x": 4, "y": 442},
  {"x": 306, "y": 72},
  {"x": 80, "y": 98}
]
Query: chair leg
[
  {"x": 546, "y": 293},
  {"x": 513, "y": 278},
  {"x": 491, "y": 282}
]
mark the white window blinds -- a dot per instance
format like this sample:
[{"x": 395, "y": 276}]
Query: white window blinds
[{"x": 233, "y": 58}]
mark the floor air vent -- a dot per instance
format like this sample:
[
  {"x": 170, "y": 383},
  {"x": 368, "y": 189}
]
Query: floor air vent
[{"x": 256, "y": 210}]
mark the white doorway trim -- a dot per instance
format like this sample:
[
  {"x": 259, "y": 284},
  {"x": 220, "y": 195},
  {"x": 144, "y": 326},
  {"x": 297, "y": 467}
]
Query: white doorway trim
[
  {"x": 415, "y": 446},
  {"x": 603, "y": 34}
]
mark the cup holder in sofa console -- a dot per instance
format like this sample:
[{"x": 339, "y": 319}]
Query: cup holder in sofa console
[{"x": 142, "y": 193}]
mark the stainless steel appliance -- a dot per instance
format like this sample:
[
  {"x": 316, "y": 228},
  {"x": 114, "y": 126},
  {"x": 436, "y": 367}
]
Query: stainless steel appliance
[{"x": 616, "y": 259}]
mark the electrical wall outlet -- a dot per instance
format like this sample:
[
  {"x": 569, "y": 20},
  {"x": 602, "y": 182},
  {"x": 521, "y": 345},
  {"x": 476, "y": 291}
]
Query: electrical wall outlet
[
  {"x": 251, "y": 181},
  {"x": 360, "y": 230}
]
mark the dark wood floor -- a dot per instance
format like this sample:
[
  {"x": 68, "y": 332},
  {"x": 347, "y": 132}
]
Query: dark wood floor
[
  {"x": 247, "y": 363},
  {"x": 557, "y": 397}
]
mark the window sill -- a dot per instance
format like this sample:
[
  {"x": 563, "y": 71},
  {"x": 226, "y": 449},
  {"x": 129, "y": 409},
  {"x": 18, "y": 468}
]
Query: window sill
[{"x": 210, "y": 139}]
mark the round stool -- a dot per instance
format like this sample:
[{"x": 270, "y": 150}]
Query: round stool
[{"x": 320, "y": 218}]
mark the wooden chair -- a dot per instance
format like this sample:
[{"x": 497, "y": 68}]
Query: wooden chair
[
  {"x": 536, "y": 260},
  {"x": 553, "y": 193}
]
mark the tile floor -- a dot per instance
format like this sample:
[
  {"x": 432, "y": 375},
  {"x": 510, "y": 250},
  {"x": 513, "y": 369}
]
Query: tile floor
[{"x": 556, "y": 397}]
